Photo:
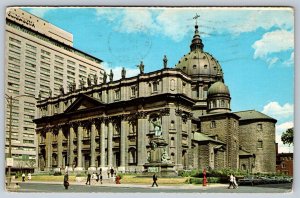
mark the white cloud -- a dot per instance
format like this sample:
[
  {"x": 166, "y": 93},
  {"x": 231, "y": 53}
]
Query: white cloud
[
  {"x": 273, "y": 42},
  {"x": 118, "y": 69},
  {"x": 272, "y": 61},
  {"x": 138, "y": 20},
  {"x": 279, "y": 130},
  {"x": 290, "y": 61},
  {"x": 274, "y": 109},
  {"x": 108, "y": 13}
]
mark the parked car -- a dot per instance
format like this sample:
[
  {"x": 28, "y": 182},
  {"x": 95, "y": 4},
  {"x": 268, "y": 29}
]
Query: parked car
[{"x": 250, "y": 180}]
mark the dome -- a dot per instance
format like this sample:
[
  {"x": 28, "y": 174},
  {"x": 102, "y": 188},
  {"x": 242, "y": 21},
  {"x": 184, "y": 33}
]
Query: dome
[
  {"x": 198, "y": 63},
  {"x": 218, "y": 88}
]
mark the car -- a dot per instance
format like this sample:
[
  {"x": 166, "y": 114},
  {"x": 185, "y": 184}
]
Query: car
[{"x": 250, "y": 180}]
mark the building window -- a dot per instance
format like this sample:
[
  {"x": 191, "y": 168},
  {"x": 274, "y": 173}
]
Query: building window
[
  {"x": 213, "y": 124},
  {"x": 14, "y": 40},
  {"x": 117, "y": 94},
  {"x": 222, "y": 103},
  {"x": 154, "y": 87},
  {"x": 45, "y": 52},
  {"x": 283, "y": 165},
  {"x": 260, "y": 144},
  {"x": 259, "y": 127},
  {"x": 214, "y": 104},
  {"x": 184, "y": 68},
  {"x": 194, "y": 66},
  {"x": 30, "y": 47},
  {"x": 133, "y": 91}
]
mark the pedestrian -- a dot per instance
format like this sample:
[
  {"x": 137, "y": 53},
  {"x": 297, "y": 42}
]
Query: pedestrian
[
  {"x": 101, "y": 178},
  {"x": 23, "y": 177},
  {"x": 97, "y": 177},
  {"x": 154, "y": 180},
  {"x": 66, "y": 181},
  {"x": 88, "y": 180},
  {"x": 112, "y": 172},
  {"x": 29, "y": 176},
  {"x": 235, "y": 185},
  {"x": 230, "y": 181}
]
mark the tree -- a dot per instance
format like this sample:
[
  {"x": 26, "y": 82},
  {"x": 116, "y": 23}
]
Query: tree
[{"x": 287, "y": 137}]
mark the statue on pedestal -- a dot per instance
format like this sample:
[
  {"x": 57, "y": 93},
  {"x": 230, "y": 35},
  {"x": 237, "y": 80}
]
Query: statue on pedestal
[
  {"x": 123, "y": 73},
  {"x": 89, "y": 80},
  {"x": 165, "y": 60},
  {"x": 157, "y": 127},
  {"x": 141, "y": 66},
  {"x": 111, "y": 76},
  {"x": 95, "y": 79},
  {"x": 104, "y": 77},
  {"x": 81, "y": 83}
]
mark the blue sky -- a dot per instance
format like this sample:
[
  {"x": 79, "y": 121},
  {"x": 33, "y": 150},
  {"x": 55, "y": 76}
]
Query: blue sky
[{"x": 255, "y": 47}]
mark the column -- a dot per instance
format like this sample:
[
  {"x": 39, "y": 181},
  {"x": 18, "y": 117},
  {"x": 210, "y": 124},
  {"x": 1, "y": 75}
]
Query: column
[
  {"x": 109, "y": 143},
  {"x": 71, "y": 147},
  {"x": 48, "y": 150},
  {"x": 190, "y": 152},
  {"x": 93, "y": 146},
  {"x": 178, "y": 160},
  {"x": 165, "y": 121},
  {"x": 141, "y": 143},
  {"x": 79, "y": 148},
  {"x": 60, "y": 147},
  {"x": 124, "y": 132},
  {"x": 102, "y": 143}
]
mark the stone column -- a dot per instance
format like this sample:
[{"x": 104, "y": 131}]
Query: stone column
[
  {"x": 102, "y": 143},
  {"x": 109, "y": 143},
  {"x": 190, "y": 152},
  {"x": 71, "y": 148},
  {"x": 48, "y": 150},
  {"x": 178, "y": 160},
  {"x": 60, "y": 148},
  {"x": 141, "y": 140},
  {"x": 124, "y": 132},
  {"x": 165, "y": 121},
  {"x": 93, "y": 147},
  {"x": 79, "y": 148}
]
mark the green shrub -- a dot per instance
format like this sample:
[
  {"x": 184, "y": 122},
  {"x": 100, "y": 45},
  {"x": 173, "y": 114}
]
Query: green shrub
[
  {"x": 57, "y": 173},
  {"x": 197, "y": 180},
  {"x": 121, "y": 175}
]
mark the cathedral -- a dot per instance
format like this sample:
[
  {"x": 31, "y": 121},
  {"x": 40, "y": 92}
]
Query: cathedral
[{"x": 114, "y": 123}]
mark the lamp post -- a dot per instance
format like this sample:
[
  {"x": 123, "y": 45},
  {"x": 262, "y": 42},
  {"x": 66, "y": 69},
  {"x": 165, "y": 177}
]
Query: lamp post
[{"x": 10, "y": 100}]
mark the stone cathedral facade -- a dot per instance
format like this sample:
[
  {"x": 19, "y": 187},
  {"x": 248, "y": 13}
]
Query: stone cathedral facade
[{"x": 112, "y": 124}]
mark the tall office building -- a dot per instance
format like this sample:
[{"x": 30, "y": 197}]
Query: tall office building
[{"x": 40, "y": 61}]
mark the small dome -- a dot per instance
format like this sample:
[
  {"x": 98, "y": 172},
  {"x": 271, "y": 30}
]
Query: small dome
[{"x": 218, "y": 88}]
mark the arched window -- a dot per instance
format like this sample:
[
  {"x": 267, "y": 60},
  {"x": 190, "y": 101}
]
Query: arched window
[
  {"x": 154, "y": 86},
  {"x": 132, "y": 156},
  {"x": 222, "y": 103},
  {"x": 214, "y": 104}
]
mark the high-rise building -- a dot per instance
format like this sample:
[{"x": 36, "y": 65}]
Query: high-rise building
[{"x": 40, "y": 61}]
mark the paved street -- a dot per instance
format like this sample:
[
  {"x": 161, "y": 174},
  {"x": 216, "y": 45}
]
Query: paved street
[{"x": 130, "y": 188}]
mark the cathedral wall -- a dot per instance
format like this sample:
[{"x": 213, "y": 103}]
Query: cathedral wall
[{"x": 258, "y": 137}]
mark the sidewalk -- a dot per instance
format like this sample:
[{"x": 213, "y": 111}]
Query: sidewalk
[{"x": 107, "y": 183}]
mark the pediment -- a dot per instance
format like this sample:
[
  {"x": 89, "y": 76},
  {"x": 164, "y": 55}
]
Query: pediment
[{"x": 84, "y": 102}]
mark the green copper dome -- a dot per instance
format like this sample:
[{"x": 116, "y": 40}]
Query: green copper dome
[{"x": 218, "y": 88}]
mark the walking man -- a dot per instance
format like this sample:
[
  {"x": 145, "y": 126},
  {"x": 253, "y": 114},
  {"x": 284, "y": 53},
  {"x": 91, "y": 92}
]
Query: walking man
[
  {"x": 230, "y": 181},
  {"x": 23, "y": 177},
  {"x": 88, "y": 180},
  {"x": 66, "y": 181},
  {"x": 154, "y": 180}
]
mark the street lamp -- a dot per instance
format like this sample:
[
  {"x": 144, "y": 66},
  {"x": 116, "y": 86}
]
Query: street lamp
[{"x": 10, "y": 100}]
